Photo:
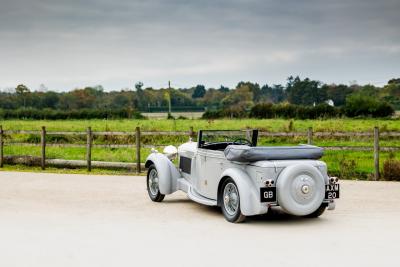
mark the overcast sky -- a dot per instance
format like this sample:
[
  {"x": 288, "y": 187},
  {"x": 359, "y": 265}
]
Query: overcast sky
[{"x": 115, "y": 43}]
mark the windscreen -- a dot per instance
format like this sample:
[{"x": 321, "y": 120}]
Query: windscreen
[{"x": 230, "y": 136}]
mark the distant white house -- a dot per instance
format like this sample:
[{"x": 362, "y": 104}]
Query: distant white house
[{"x": 330, "y": 102}]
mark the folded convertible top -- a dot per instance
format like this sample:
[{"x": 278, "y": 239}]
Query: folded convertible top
[{"x": 243, "y": 153}]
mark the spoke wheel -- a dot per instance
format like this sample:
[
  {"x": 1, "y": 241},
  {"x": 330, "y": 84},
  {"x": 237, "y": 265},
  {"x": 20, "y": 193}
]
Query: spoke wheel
[
  {"x": 153, "y": 185},
  {"x": 231, "y": 202}
]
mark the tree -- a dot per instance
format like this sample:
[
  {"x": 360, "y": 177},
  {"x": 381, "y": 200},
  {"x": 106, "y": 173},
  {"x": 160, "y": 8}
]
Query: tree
[
  {"x": 273, "y": 94},
  {"x": 199, "y": 91},
  {"x": 338, "y": 93},
  {"x": 139, "y": 86},
  {"x": 394, "y": 81},
  {"x": 120, "y": 101},
  {"x": 140, "y": 101},
  {"x": 369, "y": 90},
  {"x": 49, "y": 100},
  {"x": 223, "y": 89},
  {"x": 254, "y": 88},
  {"x": 242, "y": 97},
  {"x": 22, "y": 91},
  {"x": 305, "y": 92},
  {"x": 391, "y": 93},
  {"x": 213, "y": 98}
]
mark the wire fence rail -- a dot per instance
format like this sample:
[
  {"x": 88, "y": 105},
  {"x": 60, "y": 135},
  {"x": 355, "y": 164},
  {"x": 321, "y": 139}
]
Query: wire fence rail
[{"x": 138, "y": 145}]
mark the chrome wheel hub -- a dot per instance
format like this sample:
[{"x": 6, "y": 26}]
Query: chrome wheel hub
[
  {"x": 226, "y": 199},
  {"x": 153, "y": 182},
  {"x": 305, "y": 189},
  {"x": 231, "y": 198}
]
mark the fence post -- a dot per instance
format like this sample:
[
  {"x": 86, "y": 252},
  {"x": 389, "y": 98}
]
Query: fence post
[
  {"x": 248, "y": 134},
  {"x": 43, "y": 145},
  {"x": 309, "y": 135},
  {"x": 191, "y": 133},
  {"x": 376, "y": 153},
  {"x": 89, "y": 148},
  {"x": 138, "y": 169},
  {"x": 1, "y": 146}
]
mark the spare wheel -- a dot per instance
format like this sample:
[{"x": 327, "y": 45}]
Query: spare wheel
[{"x": 300, "y": 189}]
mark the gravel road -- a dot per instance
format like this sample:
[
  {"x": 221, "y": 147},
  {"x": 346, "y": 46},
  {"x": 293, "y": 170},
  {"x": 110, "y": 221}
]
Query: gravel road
[{"x": 89, "y": 220}]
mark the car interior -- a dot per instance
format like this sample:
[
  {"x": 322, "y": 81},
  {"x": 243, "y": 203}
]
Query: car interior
[{"x": 219, "y": 140}]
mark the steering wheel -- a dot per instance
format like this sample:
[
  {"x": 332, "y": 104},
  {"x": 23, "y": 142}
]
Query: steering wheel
[{"x": 242, "y": 141}]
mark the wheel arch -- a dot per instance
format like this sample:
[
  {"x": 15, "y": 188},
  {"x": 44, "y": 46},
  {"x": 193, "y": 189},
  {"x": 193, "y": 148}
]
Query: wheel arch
[
  {"x": 219, "y": 192},
  {"x": 167, "y": 172},
  {"x": 148, "y": 163},
  {"x": 248, "y": 192}
]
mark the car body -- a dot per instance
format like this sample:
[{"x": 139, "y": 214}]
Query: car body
[{"x": 227, "y": 169}]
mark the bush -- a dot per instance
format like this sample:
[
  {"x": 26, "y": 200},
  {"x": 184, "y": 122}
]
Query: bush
[
  {"x": 262, "y": 111},
  {"x": 238, "y": 112},
  {"x": 170, "y": 117},
  {"x": 212, "y": 114},
  {"x": 362, "y": 106},
  {"x": 267, "y": 110},
  {"x": 391, "y": 169},
  {"x": 347, "y": 169},
  {"x": 51, "y": 114}
]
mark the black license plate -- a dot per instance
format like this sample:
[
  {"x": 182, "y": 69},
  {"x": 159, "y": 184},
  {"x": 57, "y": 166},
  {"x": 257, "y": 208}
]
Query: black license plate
[
  {"x": 331, "y": 191},
  {"x": 268, "y": 194}
]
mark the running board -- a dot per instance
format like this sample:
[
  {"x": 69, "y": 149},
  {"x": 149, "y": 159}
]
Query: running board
[
  {"x": 183, "y": 185},
  {"x": 193, "y": 195}
]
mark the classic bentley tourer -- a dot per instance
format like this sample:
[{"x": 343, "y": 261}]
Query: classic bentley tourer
[{"x": 228, "y": 169}]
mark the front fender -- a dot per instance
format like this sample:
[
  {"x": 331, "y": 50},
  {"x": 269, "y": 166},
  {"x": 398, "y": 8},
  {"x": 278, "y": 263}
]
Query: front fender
[
  {"x": 167, "y": 173},
  {"x": 248, "y": 191}
]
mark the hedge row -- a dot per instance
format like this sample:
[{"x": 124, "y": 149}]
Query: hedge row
[
  {"x": 294, "y": 111},
  {"x": 267, "y": 110},
  {"x": 360, "y": 105},
  {"x": 50, "y": 114}
]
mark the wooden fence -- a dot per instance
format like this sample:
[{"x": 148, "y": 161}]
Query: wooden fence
[{"x": 375, "y": 147}]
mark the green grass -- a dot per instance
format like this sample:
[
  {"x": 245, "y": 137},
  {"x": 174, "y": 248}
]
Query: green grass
[
  {"x": 273, "y": 125},
  {"x": 95, "y": 171},
  {"x": 79, "y": 153},
  {"x": 363, "y": 159}
]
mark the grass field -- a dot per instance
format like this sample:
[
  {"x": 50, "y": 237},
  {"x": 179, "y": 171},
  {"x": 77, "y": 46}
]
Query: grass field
[
  {"x": 360, "y": 162},
  {"x": 273, "y": 125}
]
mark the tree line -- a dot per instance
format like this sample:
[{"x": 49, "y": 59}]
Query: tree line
[{"x": 246, "y": 99}]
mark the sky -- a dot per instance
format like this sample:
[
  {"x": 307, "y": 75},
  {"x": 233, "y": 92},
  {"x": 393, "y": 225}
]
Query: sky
[{"x": 72, "y": 44}]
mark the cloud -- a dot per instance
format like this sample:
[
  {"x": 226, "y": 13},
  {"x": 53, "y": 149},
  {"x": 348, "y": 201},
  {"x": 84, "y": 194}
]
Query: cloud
[{"x": 67, "y": 44}]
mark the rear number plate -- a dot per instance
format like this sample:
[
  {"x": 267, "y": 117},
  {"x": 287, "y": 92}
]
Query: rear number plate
[
  {"x": 268, "y": 194},
  {"x": 331, "y": 191}
]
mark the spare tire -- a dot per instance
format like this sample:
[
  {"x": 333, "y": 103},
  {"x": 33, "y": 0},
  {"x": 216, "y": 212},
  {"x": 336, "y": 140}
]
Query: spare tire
[{"x": 300, "y": 189}]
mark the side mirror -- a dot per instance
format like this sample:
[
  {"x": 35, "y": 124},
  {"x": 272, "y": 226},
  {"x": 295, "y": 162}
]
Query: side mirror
[{"x": 170, "y": 152}]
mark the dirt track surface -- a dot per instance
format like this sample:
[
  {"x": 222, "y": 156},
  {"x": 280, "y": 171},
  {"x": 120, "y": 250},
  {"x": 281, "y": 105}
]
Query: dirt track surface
[{"x": 79, "y": 220}]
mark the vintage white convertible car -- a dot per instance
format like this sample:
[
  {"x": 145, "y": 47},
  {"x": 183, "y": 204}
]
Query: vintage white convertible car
[{"x": 227, "y": 169}]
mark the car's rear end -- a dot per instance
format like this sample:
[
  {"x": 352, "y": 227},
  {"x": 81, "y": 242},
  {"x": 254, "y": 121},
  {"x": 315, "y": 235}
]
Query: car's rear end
[
  {"x": 299, "y": 187},
  {"x": 290, "y": 177}
]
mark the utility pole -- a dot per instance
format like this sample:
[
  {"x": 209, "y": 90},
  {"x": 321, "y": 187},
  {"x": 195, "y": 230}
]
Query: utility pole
[{"x": 169, "y": 97}]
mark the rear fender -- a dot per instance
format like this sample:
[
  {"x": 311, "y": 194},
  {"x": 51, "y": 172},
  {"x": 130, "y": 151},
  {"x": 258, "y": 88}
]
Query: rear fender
[
  {"x": 168, "y": 175},
  {"x": 249, "y": 195}
]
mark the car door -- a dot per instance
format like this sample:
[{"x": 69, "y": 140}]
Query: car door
[
  {"x": 198, "y": 176},
  {"x": 214, "y": 166}
]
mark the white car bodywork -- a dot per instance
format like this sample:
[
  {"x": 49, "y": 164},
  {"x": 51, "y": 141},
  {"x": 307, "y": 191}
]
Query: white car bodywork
[{"x": 201, "y": 173}]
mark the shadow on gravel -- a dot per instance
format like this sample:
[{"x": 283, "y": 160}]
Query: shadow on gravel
[
  {"x": 274, "y": 216},
  {"x": 277, "y": 216},
  {"x": 177, "y": 201}
]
